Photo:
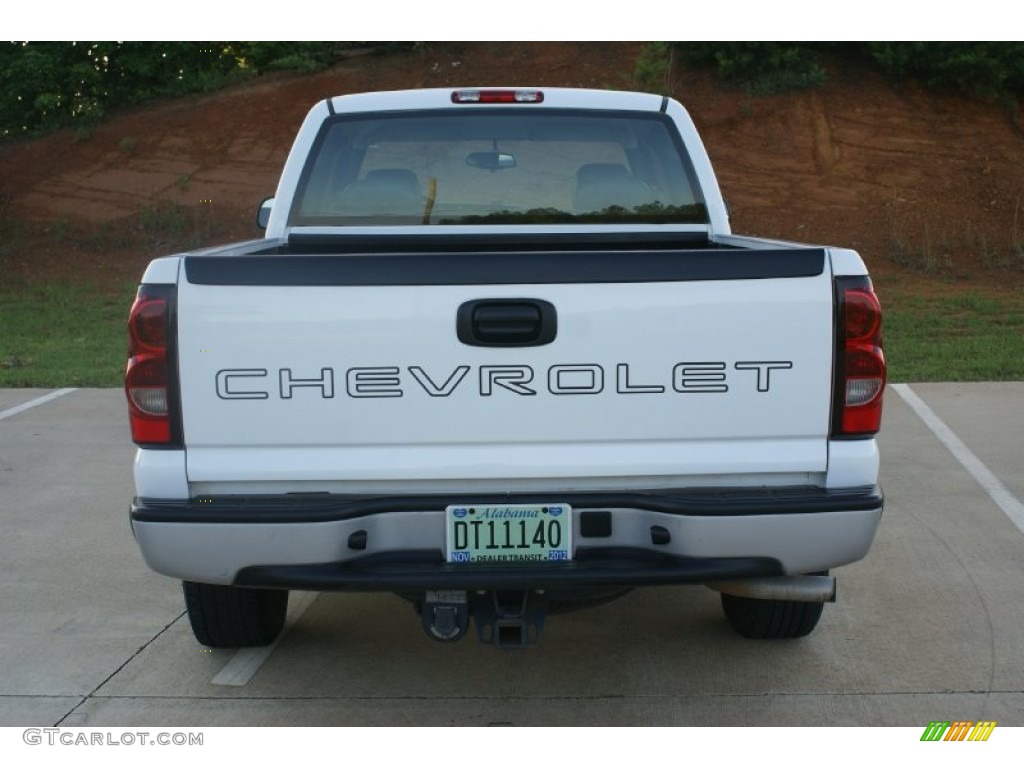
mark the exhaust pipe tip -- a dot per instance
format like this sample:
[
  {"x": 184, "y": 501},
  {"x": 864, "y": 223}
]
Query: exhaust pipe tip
[{"x": 800, "y": 589}]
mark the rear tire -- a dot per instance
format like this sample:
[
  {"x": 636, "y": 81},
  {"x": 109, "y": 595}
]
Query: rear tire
[
  {"x": 772, "y": 619},
  {"x": 234, "y": 617}
]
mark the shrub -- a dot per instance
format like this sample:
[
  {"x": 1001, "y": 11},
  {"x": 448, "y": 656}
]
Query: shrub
[{"x": 760, "y": 68}]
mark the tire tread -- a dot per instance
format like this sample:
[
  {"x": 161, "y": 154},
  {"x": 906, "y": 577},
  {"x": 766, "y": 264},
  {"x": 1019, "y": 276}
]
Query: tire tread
[
  {"x": 234, "y": 617},
  {"x": 771, "y": 619}
]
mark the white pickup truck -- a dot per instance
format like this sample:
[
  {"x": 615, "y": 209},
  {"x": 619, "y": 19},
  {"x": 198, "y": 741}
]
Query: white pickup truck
[{"x": 499, "y": 353}]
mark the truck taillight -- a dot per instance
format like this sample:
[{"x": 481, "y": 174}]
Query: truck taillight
[
  {"x": 860, "y": 362},
  {"x": 148, "y": 382}
]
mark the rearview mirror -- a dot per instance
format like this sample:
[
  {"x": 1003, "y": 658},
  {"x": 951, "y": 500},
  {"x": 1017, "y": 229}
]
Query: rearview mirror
[{"x": 491, "y": 161}]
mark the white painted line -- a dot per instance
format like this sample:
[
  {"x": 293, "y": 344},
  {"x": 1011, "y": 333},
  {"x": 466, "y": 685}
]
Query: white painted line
[
  {"x": 33, "y": 403},
  {"x": 247, "y": 661},
  {"x": 991, "y": 484}
]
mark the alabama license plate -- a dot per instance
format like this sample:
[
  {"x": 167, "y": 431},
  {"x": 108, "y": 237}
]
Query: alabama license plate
[{"x": 508, "y": 533}]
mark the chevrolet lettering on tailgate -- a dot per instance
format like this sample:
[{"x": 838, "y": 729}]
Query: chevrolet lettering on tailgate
[{"x": 390, "y": 381}]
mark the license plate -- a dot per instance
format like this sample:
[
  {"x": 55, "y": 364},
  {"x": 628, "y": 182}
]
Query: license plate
[{"x": 508, "y": 533}]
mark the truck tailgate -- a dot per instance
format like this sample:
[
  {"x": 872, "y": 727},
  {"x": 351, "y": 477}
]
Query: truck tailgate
[{"x": 336, "y": 373}]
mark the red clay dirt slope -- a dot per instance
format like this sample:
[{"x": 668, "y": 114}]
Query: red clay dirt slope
[{"x": 919, "y": 182}]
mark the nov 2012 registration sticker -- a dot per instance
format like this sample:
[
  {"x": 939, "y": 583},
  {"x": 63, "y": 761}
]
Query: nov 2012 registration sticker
[{"x": 508, "y": 533}]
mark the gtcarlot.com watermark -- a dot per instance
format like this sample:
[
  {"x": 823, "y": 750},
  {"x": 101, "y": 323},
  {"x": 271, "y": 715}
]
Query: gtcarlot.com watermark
[{"x": 75, "y": 737}]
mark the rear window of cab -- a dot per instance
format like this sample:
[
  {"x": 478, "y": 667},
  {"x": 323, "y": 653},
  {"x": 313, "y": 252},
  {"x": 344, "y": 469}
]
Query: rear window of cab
[{"x": 509, "y": 165}]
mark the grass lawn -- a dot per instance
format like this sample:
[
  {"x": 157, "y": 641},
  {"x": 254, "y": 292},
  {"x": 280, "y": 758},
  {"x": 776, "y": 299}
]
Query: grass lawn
[
  {"x": 62, "y": 335},
  {"x": 964, "y": 335}
]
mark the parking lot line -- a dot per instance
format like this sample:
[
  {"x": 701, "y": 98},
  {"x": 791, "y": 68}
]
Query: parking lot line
[
  {"x": 991, "y": 484},
  {"x": 247, "y": 661},
  {"x": 33, "y": 403}
]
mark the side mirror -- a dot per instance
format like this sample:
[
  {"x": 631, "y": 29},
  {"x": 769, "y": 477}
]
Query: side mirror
[{"x": 263, "y": 212}]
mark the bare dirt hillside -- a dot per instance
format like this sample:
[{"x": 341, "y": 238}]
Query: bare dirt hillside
[{"x": 921, "y": 183}]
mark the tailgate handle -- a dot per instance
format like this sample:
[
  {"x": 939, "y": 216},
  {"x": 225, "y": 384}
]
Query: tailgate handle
[{"x": 506, "y": 323}]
